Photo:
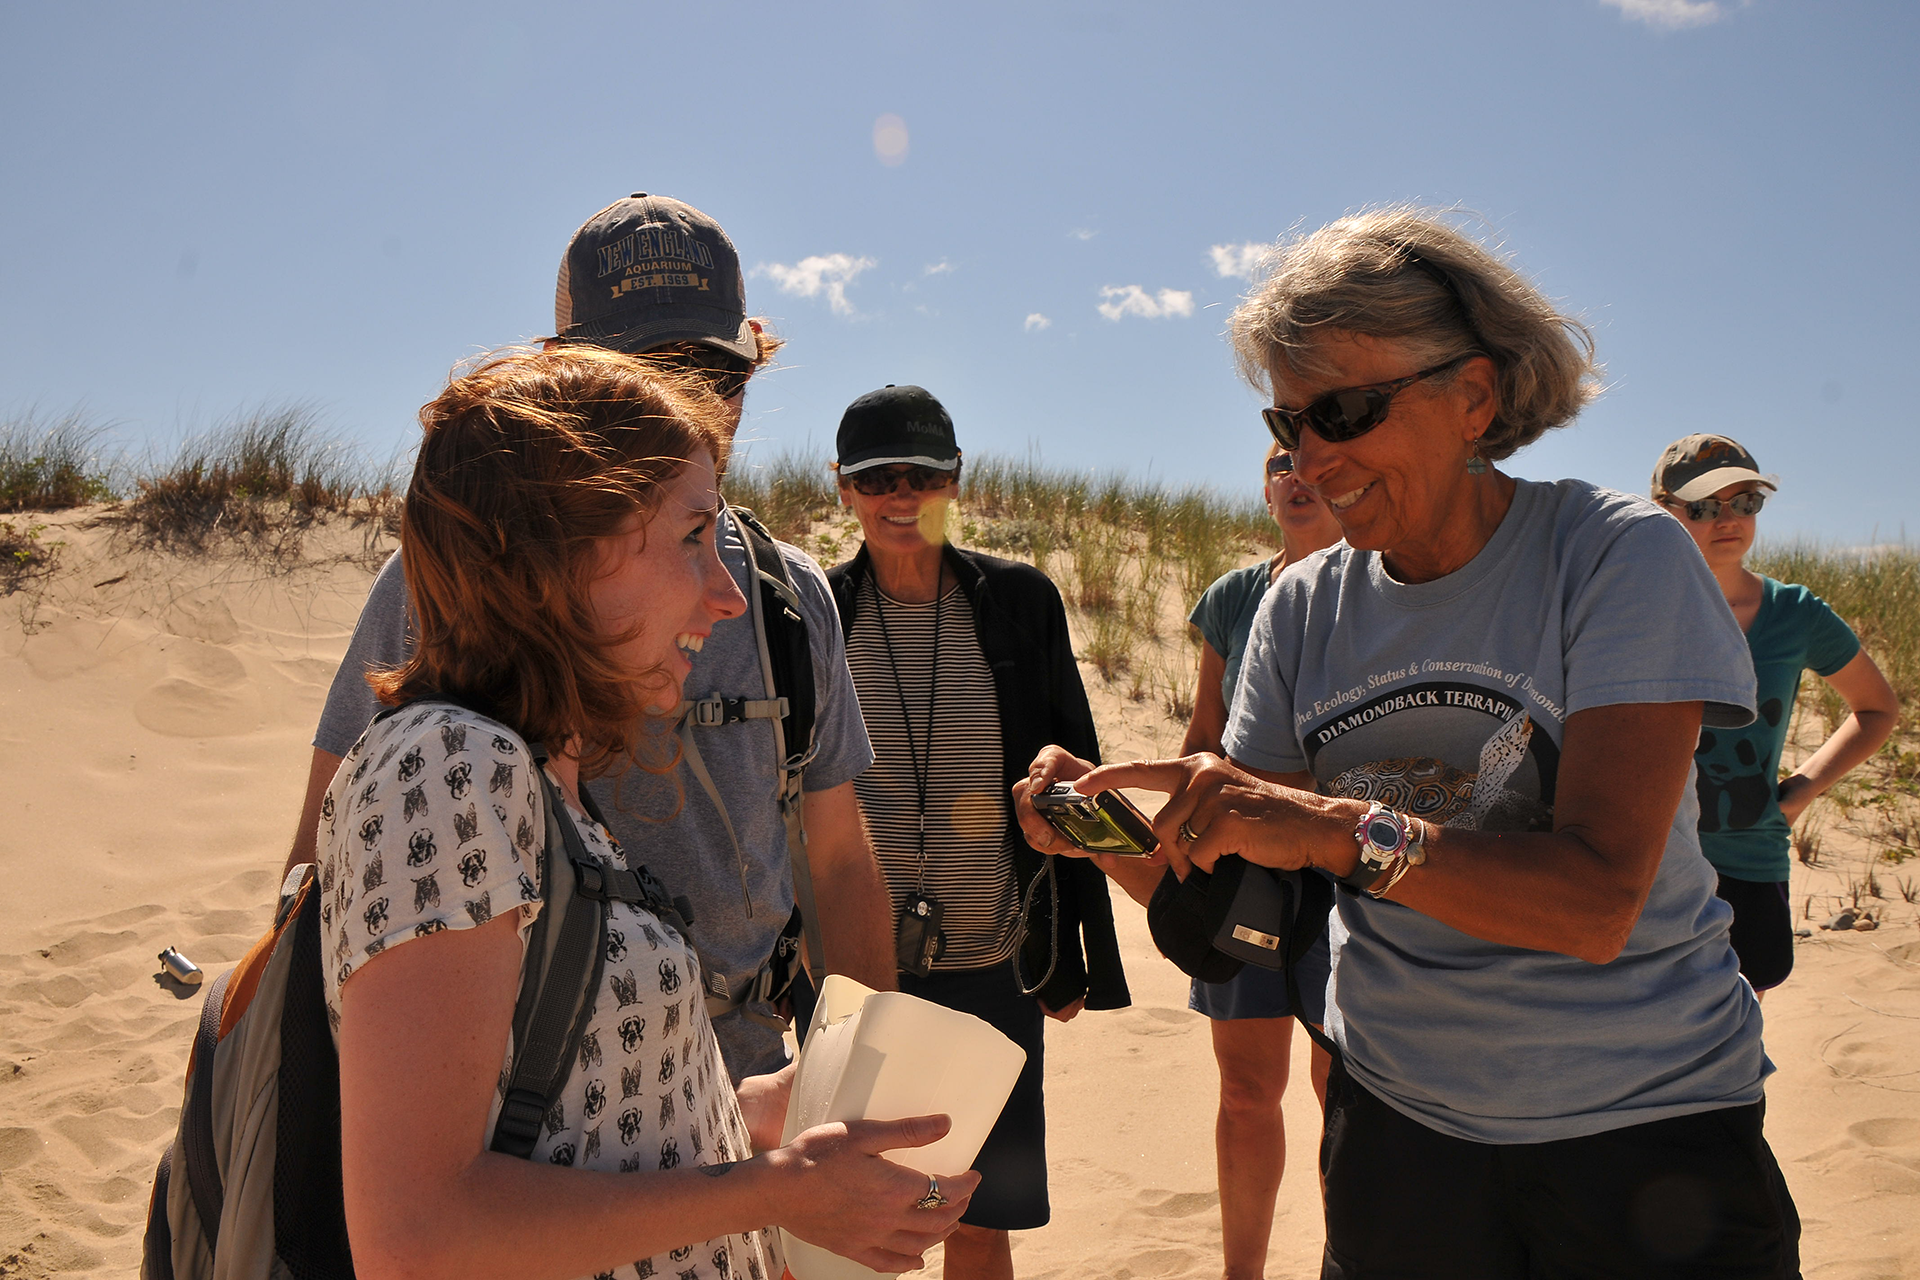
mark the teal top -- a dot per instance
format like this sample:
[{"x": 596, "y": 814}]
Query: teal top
[
  {"x": 1225, "y": 618},
  {"x": 1742, "y": 830}
]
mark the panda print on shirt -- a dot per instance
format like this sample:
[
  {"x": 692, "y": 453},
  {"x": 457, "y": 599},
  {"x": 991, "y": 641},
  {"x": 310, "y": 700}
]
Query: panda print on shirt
[{"x": 436, "y": 821}]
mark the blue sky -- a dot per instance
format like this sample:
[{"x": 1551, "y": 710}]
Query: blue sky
[{"x": 211, "y": 207}]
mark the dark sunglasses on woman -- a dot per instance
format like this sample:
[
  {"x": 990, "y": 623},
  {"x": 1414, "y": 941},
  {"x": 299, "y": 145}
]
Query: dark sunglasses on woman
[
  {"x": 1280, "y": 464},
  {"x": 881, "y": 480},
  {"x": 1740, "y": 504},
  {"x": 1349, "y": 413}
]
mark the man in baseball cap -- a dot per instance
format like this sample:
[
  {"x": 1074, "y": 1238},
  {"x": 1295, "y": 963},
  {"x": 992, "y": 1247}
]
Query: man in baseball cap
[
  {"x": 1698, "y": 465},
  {"x": 650, "y": 270},
  {"x": 649, "y": 275}
]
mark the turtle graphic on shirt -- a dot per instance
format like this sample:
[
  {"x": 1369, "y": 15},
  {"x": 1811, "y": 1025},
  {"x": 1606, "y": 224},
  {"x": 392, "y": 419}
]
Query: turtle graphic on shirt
[{"x": 1436, "y": 792}]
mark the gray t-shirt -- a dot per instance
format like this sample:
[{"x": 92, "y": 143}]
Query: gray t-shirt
[
  {"x": 1448, "y": 699},
  {"x": 738, "y": 910}
]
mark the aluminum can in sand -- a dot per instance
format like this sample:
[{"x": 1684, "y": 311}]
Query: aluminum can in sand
[{"x": 181, "y": 969}]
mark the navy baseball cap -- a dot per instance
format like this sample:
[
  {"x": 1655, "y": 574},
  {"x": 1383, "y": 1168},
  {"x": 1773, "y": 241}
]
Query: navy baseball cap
[
  {"x": 649, "y": 270},
  {"x": 894, "y": 425}
]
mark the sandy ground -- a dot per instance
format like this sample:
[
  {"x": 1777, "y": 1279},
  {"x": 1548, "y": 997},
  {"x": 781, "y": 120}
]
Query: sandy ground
[{"x": 154, "y": 735}]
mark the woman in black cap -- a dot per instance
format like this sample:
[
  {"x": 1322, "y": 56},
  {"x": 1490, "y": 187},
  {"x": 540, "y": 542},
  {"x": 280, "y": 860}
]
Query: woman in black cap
[
  {"x": 1747, "y": 810},
  {"x": 965, "y": 671}
]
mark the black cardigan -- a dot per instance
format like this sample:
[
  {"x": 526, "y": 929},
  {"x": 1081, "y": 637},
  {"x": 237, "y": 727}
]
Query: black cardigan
[{"x": 1022, "y": 627}]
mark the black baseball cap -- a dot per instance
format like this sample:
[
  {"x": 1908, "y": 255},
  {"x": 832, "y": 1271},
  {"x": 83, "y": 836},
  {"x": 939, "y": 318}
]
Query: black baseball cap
[
  {"x": 895, "y": 425},
  {"x": 649, "y": 270}
]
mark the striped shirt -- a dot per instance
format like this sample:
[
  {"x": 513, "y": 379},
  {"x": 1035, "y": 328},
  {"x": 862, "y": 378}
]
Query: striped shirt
[{"x": 969, "y": 831}]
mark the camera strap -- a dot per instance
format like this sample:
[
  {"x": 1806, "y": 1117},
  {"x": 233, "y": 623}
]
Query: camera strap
[{"x": 922, "y": 769}]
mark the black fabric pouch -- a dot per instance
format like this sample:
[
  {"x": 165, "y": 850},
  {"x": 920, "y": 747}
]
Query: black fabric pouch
[{"x": 1212, "y": 925}]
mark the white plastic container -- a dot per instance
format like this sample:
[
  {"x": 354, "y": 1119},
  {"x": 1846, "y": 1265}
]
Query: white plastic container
[{"x": 883, "y": 1055}]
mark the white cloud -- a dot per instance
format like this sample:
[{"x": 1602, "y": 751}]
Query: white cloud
[
  {"x": 1671, "y": 15},
  {"x": 1083, "y": 233},
  {"x": 822, "y": 273},
  {"x": 1132, "y": 300},
  {"x": 1236, "y": 260},
  {"x": 1037, "y": 321},
  {"x": 940, "y": 268}
]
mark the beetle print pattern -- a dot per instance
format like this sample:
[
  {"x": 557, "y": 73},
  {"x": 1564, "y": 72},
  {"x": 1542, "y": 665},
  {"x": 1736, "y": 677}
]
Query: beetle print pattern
[{"x": 674, "y": 1105}]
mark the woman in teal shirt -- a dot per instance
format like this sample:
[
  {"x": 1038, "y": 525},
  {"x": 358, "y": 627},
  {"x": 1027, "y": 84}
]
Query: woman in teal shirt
[
  {"x": 1251, "y": 1018},
  {"x": 1747, "y": 810}
]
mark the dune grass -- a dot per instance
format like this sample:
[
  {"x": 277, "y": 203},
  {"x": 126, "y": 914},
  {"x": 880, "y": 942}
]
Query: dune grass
[
  {"x": 50, "y": 465},
  {"x": 260, "y": 477},
  {"x": 1115, "y": 544},
  {"x": 24, "y": 555}
]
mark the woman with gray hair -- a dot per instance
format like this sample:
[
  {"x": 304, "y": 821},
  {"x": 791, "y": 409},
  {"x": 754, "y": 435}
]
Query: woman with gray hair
[{"x": 1479, "y": 715}]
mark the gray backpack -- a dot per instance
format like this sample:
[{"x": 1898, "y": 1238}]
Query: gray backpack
[{"x": 250, "y": 1187}]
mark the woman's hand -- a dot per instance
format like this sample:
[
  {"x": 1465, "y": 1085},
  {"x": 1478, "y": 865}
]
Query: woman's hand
[
  {"x": 763, "y": 1105},
  {"x": 1230, "y": 811},
  {"x": 1796, "y": 793},
  {"x": 1067, "y": 1014},
  {"x": 1053, "y": 764},
  {"x": 845, "y": 1196}
]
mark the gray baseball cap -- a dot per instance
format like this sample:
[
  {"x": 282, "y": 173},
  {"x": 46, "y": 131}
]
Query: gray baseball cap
[
  {"x": 1698, "y": 465},
  {"x": 649, "y": 270}
]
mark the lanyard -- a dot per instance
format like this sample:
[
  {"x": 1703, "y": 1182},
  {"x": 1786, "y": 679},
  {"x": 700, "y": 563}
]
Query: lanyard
[{"x": 922, "y": 769}]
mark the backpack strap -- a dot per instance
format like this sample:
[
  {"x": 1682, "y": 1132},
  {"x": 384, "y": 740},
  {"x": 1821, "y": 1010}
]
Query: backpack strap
[
  {"x": 565, "y": 953},
  {"x": 786, "y": 663},
  {"x": 198, "y": 1160}
]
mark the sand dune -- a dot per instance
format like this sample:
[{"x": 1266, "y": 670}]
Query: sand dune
[{"x": 154, "y": 738}]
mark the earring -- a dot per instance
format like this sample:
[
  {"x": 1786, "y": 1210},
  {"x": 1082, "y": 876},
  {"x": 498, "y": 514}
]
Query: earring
[{"x": 1476, "y": 465}]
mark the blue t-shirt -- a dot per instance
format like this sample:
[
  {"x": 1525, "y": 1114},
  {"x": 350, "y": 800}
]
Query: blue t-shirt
[
  {"x": 1737, "y": 771},
  {"x": 1225, "y": 617},
  {"x": 1449, "y": 699}
]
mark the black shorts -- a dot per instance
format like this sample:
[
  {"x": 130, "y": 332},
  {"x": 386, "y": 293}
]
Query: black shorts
[
  {"x": 1696, "y": 1196},
  {"x": 1762, "y": 934},
  {"x": 1012, "y": 1195}
]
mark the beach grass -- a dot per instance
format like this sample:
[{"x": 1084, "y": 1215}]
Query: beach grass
[
  {"x": 1115, "y": 544},
  {"x": 1878, "y": 592},
  {"x": 24, "y": 554},
  {"x": 260, "y": 477},
  {"x": 52, "y": 464}
]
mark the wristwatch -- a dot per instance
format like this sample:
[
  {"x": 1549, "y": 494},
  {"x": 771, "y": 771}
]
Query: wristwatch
[{"x": 1387, "y": 841}]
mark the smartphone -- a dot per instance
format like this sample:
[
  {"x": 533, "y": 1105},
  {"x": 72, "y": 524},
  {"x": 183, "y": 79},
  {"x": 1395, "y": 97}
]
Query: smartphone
[{"x": 1102, "y": 823}]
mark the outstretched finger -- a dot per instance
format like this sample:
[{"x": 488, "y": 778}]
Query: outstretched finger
[{"x": 1169, "y": 777}]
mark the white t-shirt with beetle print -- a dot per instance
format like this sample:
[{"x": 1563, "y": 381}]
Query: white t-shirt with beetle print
[{"x": 435, "y": 821}]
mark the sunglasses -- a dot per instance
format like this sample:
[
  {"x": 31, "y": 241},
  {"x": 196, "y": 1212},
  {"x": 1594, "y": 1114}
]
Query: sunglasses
[
  {"x": 880, "y": 481},
  {"x": 1740, "y": 504},
  {"x": 1349, "y": 413},
  {"x": 1280, "y": 464},
  {"x": 725, "y": 374}
]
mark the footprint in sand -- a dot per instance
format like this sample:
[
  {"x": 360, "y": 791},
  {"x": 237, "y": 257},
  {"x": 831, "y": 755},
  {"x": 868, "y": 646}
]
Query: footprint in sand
[
  {"x": 1152, "y": 1020},
  {"x": 206, "y": 694},
  {"x": 1177, "y": 1204},
  {"x": 1855, "y": 1057},
  {"x": 203, "y": 619},
  {"x": 1886, "y": 1149}
]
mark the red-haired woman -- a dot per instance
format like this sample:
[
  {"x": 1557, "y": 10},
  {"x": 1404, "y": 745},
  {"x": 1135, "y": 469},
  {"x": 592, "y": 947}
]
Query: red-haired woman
[{"x": 558, "y": 546}]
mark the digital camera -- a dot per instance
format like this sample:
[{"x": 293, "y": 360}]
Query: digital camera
[{"x": 1102, "y": 823}]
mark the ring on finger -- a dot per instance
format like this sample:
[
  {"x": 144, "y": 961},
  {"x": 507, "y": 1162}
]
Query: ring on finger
[
  {"x": 933, "y": 1199},
  {"x": 1187, "y": 833}
]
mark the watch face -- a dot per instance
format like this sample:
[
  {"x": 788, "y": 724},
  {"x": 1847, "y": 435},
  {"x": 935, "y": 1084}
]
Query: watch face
[{"x": 1384, "y": 834}]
